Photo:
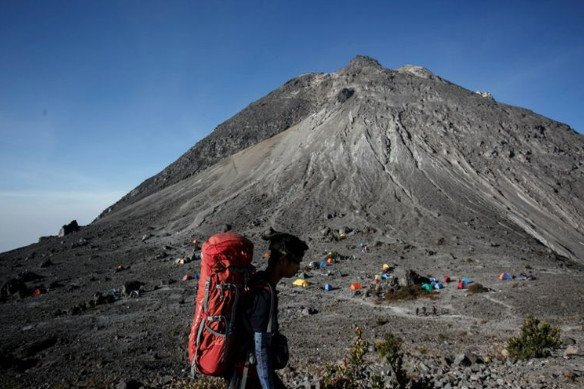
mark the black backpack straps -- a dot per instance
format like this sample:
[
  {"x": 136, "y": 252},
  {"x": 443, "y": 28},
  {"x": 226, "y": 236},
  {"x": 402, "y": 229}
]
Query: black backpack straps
[
  {"x": 267, "y": 286},
  {"x": 272, "y": 308}
]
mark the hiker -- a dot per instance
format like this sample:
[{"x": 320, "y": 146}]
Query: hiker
[{"x": 263, "y": 348}]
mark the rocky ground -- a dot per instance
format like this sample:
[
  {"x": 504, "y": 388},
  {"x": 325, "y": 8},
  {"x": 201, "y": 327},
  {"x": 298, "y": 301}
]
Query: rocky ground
[{"x": 108, "y": 316}]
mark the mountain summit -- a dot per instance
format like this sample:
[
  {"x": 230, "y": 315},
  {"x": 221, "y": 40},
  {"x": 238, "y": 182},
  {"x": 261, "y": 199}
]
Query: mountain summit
[{"x": 403, "y": 152}]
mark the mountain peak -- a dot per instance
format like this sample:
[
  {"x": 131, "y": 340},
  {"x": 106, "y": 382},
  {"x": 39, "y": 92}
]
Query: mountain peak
[{"x": 363, "y": 61}]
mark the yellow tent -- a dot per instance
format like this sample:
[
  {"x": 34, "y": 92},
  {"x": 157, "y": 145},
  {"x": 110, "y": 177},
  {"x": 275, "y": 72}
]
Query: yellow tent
[{"x": 301, "y": 282}]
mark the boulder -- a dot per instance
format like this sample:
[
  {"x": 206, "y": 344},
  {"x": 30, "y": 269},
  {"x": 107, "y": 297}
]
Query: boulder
[
  {"x": 129, "y": 384},
  {"x": 345, "y": 94},
  {"x": 572, "y": 351},
  {"x": 13, "y": 286},
  {"x": 131, "y": 286},
  {"x": 413, "y": 278},
  {"x": 462, "y": 360},
  {"x": 309, "y": 311},
  {"x": 69, "y": 228}
]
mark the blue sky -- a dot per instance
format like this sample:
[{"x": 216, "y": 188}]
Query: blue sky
[{"x": 96, "y": 96}]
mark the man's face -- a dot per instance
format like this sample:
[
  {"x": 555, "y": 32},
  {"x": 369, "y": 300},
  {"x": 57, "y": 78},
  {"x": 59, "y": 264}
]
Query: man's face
[{"x": 291, "y": 265}]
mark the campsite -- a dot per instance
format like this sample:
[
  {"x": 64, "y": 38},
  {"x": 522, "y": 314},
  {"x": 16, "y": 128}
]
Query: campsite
[{"x": 445, "y": 330}]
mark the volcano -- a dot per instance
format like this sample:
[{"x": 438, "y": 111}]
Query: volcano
[
  {"x": 402, "y": 151},
  {"x": 420, "y": 170}
]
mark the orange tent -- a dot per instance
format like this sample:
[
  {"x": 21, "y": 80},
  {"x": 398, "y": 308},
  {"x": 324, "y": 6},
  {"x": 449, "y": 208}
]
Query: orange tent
[{"x": 355, "y": 286}]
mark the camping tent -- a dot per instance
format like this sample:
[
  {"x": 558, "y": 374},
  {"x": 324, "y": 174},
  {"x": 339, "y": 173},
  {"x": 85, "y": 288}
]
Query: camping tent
[
  {"x": 301, "y": 282},
  {"x": 427, "y": 287},
  {"x": 355, "y": 286}
]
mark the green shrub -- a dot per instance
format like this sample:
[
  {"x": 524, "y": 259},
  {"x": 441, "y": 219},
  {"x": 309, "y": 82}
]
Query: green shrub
[
  {"x": 347, "y": 374},
  {"x": 536, "y": 340},
  {"x": 354, "y": 371},
  {"x": 390, "y": 348}
]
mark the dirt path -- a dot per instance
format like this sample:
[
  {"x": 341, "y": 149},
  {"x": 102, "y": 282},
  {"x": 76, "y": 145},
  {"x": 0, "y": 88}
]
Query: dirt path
[{"x": 509, "y": 307}]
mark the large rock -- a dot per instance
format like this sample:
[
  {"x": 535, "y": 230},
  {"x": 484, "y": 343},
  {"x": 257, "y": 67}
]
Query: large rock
[
  {"x": 413, "y": 278},
  {"x": 69, "y": 228},
  {"x": 11, "y": 287},
  {"x": 572, "y": 351},
  {"x": 131, "y": 286}
]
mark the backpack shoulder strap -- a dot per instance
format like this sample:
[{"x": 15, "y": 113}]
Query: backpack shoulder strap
[
  {"x": 267, "y": 286},
  {"x": 272, "y": 308}
]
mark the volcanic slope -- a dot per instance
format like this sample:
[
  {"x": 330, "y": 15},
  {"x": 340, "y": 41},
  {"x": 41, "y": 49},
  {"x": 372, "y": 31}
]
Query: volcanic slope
[{"x": 404, "y": 152}]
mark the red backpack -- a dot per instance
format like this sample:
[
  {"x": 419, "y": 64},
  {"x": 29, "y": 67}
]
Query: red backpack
[{"x": 225, "y": 273}]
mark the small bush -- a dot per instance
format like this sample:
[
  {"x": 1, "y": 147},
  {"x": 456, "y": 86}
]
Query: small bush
[
  {"x": 359, "y": 349},
  {"x": 390, "y": 348},
  {"x": 477, "y": 288},
  {"x": 347, "y": 374},
  {"x": 536, "y": 340},
  {"x": 355, "y": 372}
]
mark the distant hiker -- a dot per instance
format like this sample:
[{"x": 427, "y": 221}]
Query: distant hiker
[
  {"x": 460, "y": 284},
  {"x": 263, "y": 348},
  {"x": 417, "y": 311}
]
